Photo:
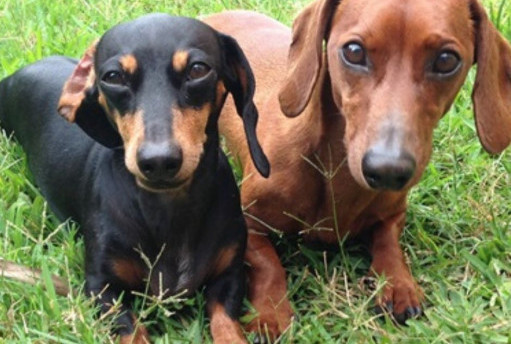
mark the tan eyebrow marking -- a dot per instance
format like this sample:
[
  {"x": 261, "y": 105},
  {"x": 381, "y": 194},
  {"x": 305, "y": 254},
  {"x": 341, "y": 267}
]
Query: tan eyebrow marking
[
  {"x": 180, "y": 60},
  {"x": 129, "y": 63}
]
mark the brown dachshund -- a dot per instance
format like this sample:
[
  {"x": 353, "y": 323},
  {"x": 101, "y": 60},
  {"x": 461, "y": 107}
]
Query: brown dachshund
[{"x": 362, "y": 85}]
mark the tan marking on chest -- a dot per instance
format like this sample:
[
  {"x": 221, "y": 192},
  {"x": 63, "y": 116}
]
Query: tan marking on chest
[
  {"x": 224, "y": 259},
  {"x": 128, "y": 271}
]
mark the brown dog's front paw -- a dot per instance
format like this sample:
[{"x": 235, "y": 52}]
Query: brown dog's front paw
[
  {"x": 402, "y": 300},
  {"x": 271, "y": 322}
]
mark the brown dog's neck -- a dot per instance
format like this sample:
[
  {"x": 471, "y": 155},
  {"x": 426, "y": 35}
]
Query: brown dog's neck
[
  {"x": 328, "y": 124},
  {"x": 329, "y": 155}
]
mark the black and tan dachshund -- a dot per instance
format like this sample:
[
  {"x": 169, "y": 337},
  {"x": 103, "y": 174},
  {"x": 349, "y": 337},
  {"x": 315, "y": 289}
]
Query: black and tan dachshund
[{"x": 142, "y": 172}]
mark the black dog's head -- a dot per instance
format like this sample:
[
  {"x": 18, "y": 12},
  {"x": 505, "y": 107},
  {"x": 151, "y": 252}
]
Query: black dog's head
[{"x": 156, "y": 86}]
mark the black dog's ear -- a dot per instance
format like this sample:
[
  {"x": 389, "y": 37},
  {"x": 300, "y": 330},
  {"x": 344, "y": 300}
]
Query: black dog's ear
[
  {"x": 79, "y": 103},
  {"x": 239, "y": 81}
]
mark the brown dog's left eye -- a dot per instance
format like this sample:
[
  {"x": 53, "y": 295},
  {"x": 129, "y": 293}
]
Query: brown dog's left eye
[
  {"x": 354, "y": 53},
  {"x": 198, "y": 70},
  {"x": 446, "y": 63}
]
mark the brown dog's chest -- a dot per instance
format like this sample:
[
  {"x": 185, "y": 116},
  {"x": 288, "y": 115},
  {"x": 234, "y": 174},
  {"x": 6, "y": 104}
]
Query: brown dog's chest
[
  {"x": 344, "y": 209},
  {"x": 307, "y": 179},
  {"x": 355, "y": 209},
  {"x": 304, "y": 204}
]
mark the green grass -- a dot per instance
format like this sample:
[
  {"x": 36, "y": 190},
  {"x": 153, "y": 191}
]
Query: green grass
[{"x": 457, "y": 240}]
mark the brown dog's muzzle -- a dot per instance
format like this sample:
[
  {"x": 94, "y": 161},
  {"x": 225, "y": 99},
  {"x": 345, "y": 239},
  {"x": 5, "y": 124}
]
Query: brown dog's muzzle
[
  {"x": 387, "y": 164},
  {"x": 385, "y": 169}
]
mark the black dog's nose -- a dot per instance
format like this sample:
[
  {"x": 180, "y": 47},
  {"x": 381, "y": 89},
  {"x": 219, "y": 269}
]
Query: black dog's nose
[
  {"x": 387, "y": 170},
  {"x": 159, "y": 162}
]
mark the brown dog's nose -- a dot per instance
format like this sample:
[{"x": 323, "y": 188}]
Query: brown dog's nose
[
  {"x": 386, "y": 170},
  {"x": 159, "y": 162}
]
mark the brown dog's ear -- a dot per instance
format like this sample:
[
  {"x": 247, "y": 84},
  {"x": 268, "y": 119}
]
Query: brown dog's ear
[
  {"x": 239, "y": 81},
  {"x": 305, "y": 55},
  {"x": 492, "y": 88},
  {"x": 79, "y": 103}
]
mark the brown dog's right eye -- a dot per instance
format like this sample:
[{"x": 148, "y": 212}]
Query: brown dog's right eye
[
  {"x": 447, "y": 62},
  {"x": 354, "y": 54},
  {"x": 198, "y": 70}
]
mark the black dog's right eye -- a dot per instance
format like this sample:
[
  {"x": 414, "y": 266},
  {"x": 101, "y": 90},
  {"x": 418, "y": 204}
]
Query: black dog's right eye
[
  {"x": 198, "y": 70},
  {"x": 354, "y": 54},
  {"x": 113, "y": 78}
]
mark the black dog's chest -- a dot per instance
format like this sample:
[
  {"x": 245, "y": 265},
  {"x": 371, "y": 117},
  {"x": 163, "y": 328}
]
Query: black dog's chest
[
  {"x": 166, "y": 269},
  {"x": 175, "y": 272},
  {"x": 163, "y": 252},
  {"x": 163, "y": 241}
]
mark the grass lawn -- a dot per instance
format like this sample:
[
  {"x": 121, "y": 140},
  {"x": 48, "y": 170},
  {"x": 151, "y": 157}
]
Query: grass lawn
[{"x": 457, "y": 239}]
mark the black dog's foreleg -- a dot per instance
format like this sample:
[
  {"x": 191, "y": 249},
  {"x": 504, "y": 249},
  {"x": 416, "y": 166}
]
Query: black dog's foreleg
[
  {"x": 224, "y": 297},
  {"x": 107, "y": 297}
]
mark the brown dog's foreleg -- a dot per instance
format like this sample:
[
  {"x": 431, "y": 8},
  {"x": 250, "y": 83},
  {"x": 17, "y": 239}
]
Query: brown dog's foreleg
[
  {"x": 267, "y": 288},
  {"x": 401, "y": 295}
]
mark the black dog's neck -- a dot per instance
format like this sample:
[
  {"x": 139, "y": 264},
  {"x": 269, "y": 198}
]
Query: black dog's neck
[{"x": 159, "y": 213}]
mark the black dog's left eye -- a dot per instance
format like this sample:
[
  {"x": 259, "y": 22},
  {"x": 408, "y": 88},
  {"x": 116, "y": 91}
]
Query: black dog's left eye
[
  {"x": 447, "y": 62},
  {"x": 113, "y": 78},
  {"x": 198, "y": 70}
]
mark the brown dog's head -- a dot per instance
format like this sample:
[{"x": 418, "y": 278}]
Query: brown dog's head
[
  {"x": 155, "y": 86},
  {"x": 395, "y": 67}
]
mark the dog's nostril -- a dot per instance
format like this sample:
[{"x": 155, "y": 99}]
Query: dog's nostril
[
  {"x": 146, "y": 168},
  {"x": 372, "y": 178},
  {"x": 402, "y": 180},
  {"x": 172, "y": 165}
]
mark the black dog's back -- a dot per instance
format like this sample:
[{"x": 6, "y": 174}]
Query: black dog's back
[{"x": 28, "y": 108}]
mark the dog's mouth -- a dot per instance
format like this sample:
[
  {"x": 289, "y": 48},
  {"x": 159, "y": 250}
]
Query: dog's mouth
[{"x": 160, "y": 186}]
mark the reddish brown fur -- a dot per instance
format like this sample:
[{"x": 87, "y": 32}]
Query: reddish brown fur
[
  {"x": 224, "y": 329},
  {"x": 129, "y": 271},
  {"x": 224, "y": 259},
  {"x": 140, "y": 336},
  {"x": 131, "y": 129},
  {"x": 189, "y": 128},
  {"x": 220, "y": 94},
  {"x": 73, "y": 90},
  {"x": 102, "y": 101},
  {"x": 342, "y": 114},
  {"x": 268, "y": 294}
]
